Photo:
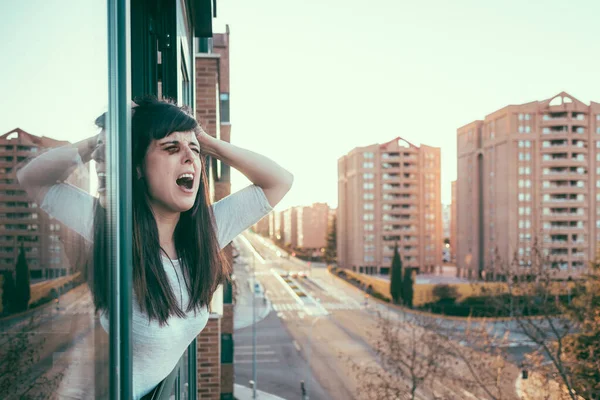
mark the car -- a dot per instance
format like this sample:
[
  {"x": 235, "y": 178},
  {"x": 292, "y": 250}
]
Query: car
[{"x": 258, "y": 289}]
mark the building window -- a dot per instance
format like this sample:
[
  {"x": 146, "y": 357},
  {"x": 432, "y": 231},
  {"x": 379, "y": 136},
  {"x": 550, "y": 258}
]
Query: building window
[
  {"x": 368, "y": 165},
  {"x": 224, "y": 107},
  {"x": 527, "y": 117},
  {"x": 368, "y": 227},
  {"x": 368, "y": 185},
  {"x": 368, "y": 206},
  {"x": 368, "y": 196},
  {"x": 368, "y": 155},
  {"x": 527, "y": 128},
  {"x": 368, "y": 217},
  {"x": 369, "y": 258},
  {"x": 368, "y": 175}
]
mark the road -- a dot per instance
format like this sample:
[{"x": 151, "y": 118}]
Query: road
[{"x": 331, "y": 324}]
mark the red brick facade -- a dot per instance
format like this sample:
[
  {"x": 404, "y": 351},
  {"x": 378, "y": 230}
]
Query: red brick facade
[
  {"x": 215, "y": 380},
  {"x": 209, "y": 360}
]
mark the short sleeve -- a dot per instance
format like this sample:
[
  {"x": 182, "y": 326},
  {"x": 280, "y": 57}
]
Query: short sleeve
[
  {"x": 71, "y": 206},
  {"x": 238, "y": 212}
]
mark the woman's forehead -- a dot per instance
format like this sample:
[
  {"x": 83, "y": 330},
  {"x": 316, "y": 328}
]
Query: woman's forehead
[{"x": 188, "y": 137}]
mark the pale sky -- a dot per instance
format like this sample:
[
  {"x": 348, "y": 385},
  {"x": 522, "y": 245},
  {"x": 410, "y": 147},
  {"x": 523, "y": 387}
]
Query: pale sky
[{"x": 310, "y": 80}]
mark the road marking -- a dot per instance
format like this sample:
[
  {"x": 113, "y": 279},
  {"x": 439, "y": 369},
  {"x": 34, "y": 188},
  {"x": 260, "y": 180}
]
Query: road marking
[
  {"x": 289, "y": 289},
  {"x": 252, "y": 249},
  {"x": 269, "y": 360},
  {"x": 249, "y": 353},
  {"x": 249, "y": 346}
]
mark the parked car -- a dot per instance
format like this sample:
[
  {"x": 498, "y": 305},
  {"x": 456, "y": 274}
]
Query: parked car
[{"x": 258, "y": 289}]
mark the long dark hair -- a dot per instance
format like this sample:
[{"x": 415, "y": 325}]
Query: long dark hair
[{"x": 198, "y": 251}]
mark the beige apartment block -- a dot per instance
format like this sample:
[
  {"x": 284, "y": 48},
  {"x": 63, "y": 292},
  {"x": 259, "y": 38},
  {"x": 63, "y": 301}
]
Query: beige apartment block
[
  {"x": 389, "y": 194},
  {"x": 262, "y": 227},
  {"x": 290, "y": 227},
  {"x": 312, "y": 226},
  {"x": 529, "y": 172}
]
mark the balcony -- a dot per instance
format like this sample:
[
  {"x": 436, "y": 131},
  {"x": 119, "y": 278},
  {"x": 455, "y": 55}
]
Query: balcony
[
  {"x": 564, "y": 228},
  {"x": 564, "y": 188},
  {"x": 555, "y": 131}
]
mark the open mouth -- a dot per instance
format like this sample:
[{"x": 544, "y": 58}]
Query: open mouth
[
  {"x": 101, "y": 181},
  {"x": 185, "y": 181}
]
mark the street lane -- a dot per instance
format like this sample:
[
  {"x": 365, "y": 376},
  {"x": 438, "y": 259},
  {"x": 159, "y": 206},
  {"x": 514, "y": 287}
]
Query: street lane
[{"x": 346, "y": 331}]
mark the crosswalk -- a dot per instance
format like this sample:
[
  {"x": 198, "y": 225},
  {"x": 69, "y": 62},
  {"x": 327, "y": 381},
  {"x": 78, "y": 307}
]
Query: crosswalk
[
  {"x": 328, "y": 306},
  {"x": 264, "y": 354}
]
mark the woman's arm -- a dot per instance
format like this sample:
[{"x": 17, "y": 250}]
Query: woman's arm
[
  {"x": 274, "y": 180},
  {"x": 37, "y": 175}
]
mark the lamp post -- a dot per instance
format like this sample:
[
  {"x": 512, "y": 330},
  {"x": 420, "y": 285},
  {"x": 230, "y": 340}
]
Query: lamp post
[
  {"x": 254, "y": 377},
  {"x": 305, "y": 390}
]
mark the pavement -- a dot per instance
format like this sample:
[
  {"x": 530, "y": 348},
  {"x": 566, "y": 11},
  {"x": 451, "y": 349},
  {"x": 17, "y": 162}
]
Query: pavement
[{"x": 246, "y": 393}]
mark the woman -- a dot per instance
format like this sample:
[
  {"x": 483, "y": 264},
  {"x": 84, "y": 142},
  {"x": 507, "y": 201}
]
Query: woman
[{"x": 177, "y": 234}]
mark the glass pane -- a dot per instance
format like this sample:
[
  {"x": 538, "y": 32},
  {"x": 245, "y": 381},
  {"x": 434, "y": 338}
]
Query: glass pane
[{"x": 52, "y": 341}]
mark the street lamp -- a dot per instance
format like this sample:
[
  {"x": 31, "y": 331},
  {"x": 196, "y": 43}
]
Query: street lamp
[
  {"x": 254, "y": 372},
  {"x": 305, "y": 393}
]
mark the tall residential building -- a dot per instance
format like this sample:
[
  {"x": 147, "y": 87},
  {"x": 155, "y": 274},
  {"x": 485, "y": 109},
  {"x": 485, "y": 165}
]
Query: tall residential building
[
  {"x": 278, "y": 226},
  {"x": 389, "y": 194},
  {"x": 262, "y": 227},
  {"x": 312, "y": 226},
  {"x": 290, "y": 227},
  {"x": 21, "y": 223},
  {"x": 446, "y": 210},
  {"x": 453, "y": 222},
  {"x": 527, "y": 172}
]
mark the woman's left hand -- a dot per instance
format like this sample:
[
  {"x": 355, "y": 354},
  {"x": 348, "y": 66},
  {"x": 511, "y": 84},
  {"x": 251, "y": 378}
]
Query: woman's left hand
[{"x": 207, "y": 143}]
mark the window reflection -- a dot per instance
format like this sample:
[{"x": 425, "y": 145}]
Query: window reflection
[{"x": 51, "y": 342}]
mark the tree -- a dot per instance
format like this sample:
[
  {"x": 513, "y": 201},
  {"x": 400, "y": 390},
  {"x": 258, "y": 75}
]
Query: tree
[
  {"x": 560, "y": 320},
  {"x": 417, "y": 357},
  {"x": 22, "y": 287},
  {"x": 583, "y": 348},
  {"x": 8, "y": 292},
  {"x": 396, "y": 284},
  {"x": 331, "y": 249},
  {"x": 407, "y": 287}
]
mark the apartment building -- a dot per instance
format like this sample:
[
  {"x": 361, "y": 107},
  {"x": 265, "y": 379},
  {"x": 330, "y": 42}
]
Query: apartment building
[
  {"x": 529, "y": 172},
  {"x": 262, "y": 227},
  {"x": 312, "y": 223},
  {"x": 43, "y": 238},
  {"x": 290, "y": 227},
  {"x": 389, "y": 194}
]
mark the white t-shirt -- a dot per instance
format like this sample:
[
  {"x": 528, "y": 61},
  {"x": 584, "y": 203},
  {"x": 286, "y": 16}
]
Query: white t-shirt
[{"x": 156, "y": 350}]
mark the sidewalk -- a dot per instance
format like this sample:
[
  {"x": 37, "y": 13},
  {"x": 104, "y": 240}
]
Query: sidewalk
[
  {"x": 242, "y": 315},
  {"x": 537, "y": 388},
  {"x": 245, "y": 393}
]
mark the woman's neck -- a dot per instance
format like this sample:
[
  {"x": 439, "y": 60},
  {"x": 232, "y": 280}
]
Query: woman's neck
[{"x": 166, "y": 223}]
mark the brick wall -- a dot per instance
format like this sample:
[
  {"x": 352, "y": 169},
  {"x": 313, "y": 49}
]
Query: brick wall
[
  {"x": 209, "y": 360},
  {"x": 207, "y": 67}
]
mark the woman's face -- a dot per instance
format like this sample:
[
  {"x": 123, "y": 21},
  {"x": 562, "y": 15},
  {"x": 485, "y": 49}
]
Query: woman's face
[{"x": 172, "y": 171}]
